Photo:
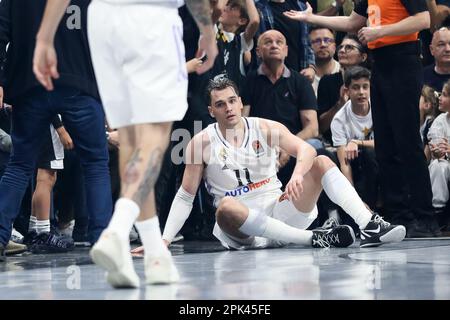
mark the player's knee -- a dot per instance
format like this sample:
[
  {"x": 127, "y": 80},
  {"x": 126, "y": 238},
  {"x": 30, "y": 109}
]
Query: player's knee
[
  {"x": 322, "y": 164},
  {"x": 225, "y": 206},
  {"x": 226, "y": 210}
]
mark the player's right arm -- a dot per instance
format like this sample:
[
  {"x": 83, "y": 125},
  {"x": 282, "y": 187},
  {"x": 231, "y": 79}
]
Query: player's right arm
[
  {"x": 45, "y": 61},
  {"x": 182, "y": 203}
]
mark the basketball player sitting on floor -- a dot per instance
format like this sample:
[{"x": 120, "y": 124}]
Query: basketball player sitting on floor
[{"x": 237, "y": 158}]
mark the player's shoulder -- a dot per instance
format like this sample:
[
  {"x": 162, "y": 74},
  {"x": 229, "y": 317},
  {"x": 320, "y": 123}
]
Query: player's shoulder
[
  {"x": 266, "y": 124},
  {"x": 201, "y": 139}
]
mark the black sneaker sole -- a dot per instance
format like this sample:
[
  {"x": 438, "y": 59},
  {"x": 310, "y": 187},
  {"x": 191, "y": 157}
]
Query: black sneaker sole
[
  {"x": 41, "y": 249},
  {"x": 395, "y": 235}
]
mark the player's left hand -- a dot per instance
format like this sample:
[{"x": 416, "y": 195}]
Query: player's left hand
[
  {"x": 294, "y": 187},
  {"x": 45, "y": 64}
]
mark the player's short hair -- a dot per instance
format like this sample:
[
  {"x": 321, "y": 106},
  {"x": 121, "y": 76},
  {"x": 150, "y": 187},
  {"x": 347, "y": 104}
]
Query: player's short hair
[
  {"x": 355, "y": 73},
  {"x": 220, "y": 83}
]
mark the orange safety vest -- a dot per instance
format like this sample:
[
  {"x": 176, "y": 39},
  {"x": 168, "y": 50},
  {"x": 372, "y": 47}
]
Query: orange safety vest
[{"x": 384, "y": 12}]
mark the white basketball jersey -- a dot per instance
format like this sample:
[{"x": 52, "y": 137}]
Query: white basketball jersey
[{"x": 242, "y": 172}]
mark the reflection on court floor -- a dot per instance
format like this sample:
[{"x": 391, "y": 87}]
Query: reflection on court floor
[{"x": 406, "y": 270}]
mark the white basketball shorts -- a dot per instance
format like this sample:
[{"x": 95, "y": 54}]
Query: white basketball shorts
[
  {"x": 138, "y": 57},
  {"x": 273, "y": 206}
]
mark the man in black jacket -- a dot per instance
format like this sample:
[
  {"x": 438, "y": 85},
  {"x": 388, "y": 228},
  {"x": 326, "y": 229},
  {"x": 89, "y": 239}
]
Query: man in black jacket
[{"x": 75, "y": 97}]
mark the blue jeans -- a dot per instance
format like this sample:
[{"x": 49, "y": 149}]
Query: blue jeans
[{"x": 84, "y": 119}]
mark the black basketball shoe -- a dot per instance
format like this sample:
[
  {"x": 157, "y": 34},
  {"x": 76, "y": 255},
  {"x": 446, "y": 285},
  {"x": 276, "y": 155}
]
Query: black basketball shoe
[
  {"x": 50, "y": 243},
  {"x": 340, "y": 237},
  {"x": 378, "y": 232}
]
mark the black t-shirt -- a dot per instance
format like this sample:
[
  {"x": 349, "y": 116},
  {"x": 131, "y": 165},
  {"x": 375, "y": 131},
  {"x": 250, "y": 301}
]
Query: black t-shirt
[
  {"x": 328, "y": 95},
  {"x": 290, "y": 29},
  {"x": 19, "y": 23},
  {"x": 412, "y": 6},
  {"x": 281, "y": 101},
  {"x": 433, "y": 79}
]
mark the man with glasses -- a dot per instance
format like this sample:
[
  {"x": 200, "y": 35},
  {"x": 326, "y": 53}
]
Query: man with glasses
[
  {"x": 437, "y": 74},
  {"x": 392, "y": 35},
  {"x": 324, "y": 47}
]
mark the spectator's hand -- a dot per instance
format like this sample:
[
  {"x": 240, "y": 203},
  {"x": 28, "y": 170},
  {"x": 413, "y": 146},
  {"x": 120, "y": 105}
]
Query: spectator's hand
[
  {"x": 45, "y": 64},
  {"x": 443, "y": 146},
  {"x": 294, "y": 187},
  {"x": 283, "y": 158},
  {"x": 368, "y": 34},
  {"x": 351, "y": 151},
  {"x": 193, "y": 64},
  {"x": 436, "y": 153},
  {"x": 65, "y": 138},
  {"x": 207, "y": 47},
  {"x": 114, "y": 138},
  {"x": 300, "y": 15},
  {"x": 309, "y": 73}
]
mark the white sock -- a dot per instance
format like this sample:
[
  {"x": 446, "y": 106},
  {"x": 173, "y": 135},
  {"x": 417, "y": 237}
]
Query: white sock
[
  {"x": 125, "y": 214},
  {"x": 151, "y": 238},
  {"x": 341, "y": 192},
  {"x": 32, "y": 224},
  {"x": 42, "y": 226},
  {"x": 261, "y": 225}
]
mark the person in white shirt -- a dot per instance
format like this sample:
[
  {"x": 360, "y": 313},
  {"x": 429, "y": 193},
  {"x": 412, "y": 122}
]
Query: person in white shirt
[
  {"x": 139, "y": 62},
  {"x": 439, "y": 137},
  {"x": 352, "y": 132}
]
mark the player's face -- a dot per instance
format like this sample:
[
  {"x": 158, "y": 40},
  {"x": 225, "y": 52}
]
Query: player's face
[
  {"x": 359, "y": 92},
  {"x": 226, "y": 107}
]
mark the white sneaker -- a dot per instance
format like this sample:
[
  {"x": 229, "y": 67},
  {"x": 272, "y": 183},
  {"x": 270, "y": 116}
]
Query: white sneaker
[
  {"x": 113, "y": 254},
  {"x": 16, "y": 236},
  {"x": 160, "y": 270}
]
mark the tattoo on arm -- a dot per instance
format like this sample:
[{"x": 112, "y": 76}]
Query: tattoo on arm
[
  {"x": 150, "y": 176},
  {"x": 200, "y": 10}
]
